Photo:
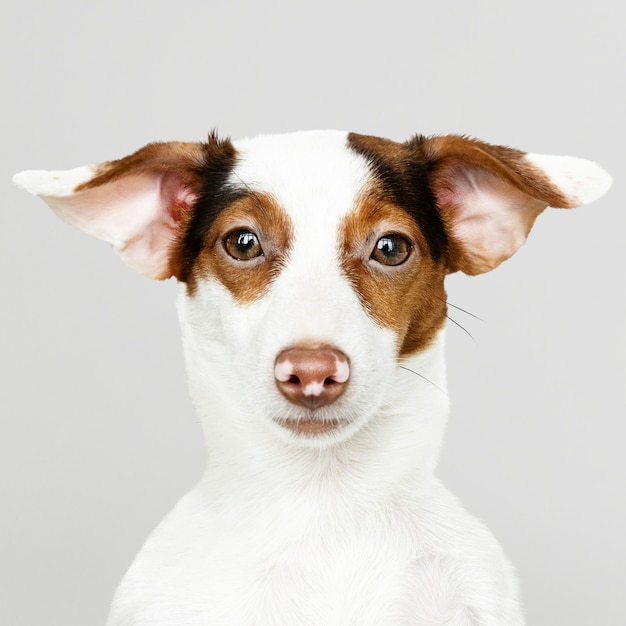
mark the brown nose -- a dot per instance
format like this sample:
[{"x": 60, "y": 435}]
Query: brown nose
[{"x": 312, "y": 376}]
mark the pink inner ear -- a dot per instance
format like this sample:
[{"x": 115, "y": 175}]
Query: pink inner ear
[
  {"x": 490, "y": 217},
  {"x": 138, "y": 215}
]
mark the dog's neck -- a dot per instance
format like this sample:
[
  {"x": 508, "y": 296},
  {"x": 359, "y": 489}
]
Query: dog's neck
[{"x": 398, "y": 446}]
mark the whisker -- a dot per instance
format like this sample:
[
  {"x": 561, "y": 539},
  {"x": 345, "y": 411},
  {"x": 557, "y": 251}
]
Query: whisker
[
  {"x": 462, "y": 328},
  {"x": 458, "y": 308},
  {"x": 408, "y": 369}
]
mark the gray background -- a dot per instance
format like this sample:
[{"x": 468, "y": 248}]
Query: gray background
[{"x": 97, "y": 434}]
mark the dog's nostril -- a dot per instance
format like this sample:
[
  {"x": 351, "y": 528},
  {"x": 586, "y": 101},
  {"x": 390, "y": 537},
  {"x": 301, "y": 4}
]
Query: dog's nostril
[{"x": 312, "y": 377}]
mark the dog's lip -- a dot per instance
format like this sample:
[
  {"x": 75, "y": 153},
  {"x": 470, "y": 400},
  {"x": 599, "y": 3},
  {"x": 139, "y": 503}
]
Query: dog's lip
[{"x": 309, "y": 426}]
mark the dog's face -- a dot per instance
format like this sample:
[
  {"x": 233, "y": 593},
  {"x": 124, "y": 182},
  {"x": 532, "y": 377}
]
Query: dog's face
[
  {"x": 310, "y": 283},
  {"x": 313, "y": 264}
]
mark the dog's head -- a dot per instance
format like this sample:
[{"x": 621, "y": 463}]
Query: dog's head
[{"x": 313, "y": 264}]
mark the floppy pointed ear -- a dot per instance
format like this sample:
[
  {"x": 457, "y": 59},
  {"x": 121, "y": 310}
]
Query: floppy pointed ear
[
  {"x": 137, "y": 204},
  {"x": 490, "y": 196}
]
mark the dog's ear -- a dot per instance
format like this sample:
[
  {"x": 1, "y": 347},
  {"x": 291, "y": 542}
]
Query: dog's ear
[
  {"x": 137, "y": 204},
  {"x": 490, "y": 196}
]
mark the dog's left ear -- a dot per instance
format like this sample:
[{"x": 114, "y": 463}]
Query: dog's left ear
[
  {"x": 138, "y": 203},
  {"x": 490, "y": 196}
]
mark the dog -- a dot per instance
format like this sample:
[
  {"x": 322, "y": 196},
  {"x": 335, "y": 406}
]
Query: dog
[{"x": 312, "y": 310}]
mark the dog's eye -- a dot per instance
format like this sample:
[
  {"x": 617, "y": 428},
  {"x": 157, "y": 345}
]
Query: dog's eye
[
  {"x": 391, "y": 250},
  {"x": 243, "y": 245}
]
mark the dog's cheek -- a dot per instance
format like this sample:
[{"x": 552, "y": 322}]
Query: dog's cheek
[
  {"x": 223, "y": 340},
  {"x": 246, "y": 337},
  {"x": 424, "y": 307},
  {"x": 410, "y": 303}
]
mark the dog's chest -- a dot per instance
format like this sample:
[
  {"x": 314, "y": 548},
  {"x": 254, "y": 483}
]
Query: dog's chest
[
  {"x": 293, "y": 564},
  {"x": 287, "y": 565}
]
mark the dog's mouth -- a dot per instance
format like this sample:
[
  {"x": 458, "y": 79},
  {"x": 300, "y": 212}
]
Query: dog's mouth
[{"x": 308, "y": 426}]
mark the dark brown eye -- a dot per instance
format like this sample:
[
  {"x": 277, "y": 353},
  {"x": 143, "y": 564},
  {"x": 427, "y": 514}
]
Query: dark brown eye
[
  {"x": 243, "y": 245},
  {"x": 391, "y": 250}
]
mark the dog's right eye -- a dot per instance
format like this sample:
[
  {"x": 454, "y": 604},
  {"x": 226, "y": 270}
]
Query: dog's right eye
[{"x": 243, "y": 245}]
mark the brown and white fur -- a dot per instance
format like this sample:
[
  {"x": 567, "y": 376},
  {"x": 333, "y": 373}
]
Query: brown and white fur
[{"x": 312, "y": 309}]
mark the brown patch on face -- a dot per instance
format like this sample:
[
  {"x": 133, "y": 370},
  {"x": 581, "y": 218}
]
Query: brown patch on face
[
  {"x": 408, "y": 298},
  {"x": 402, "y": 173},
  {"x": 261, "y": 215}
]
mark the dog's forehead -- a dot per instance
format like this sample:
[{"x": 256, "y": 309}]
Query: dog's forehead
[{"x": 305, "y": 171}]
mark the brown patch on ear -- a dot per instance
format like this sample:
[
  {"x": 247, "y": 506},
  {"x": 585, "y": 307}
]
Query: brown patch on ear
[
  {"x": 507, "y": 164},
  {"x": 184, "y": 159},
  {"x": 409, "y": 298},
  {"x": 246, "y": 280}
]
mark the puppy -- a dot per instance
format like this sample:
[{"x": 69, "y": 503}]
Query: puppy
[{"x": 312, "y": 309}]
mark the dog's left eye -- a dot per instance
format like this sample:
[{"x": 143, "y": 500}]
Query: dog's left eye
[
  {"x": 391, "y": 250},
  {"x": 243, "y": 245}
]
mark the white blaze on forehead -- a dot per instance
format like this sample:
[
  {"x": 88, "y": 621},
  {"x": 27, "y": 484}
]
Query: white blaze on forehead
[
  {"x": 312, "y": 174},
  {"x": 315, "y": 177}
]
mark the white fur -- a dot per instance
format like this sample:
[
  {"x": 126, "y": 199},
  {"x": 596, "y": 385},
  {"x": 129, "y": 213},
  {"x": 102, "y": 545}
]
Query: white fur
[
  {"x": 54, "y": 184},
  {"x": 582, "y": 181}
]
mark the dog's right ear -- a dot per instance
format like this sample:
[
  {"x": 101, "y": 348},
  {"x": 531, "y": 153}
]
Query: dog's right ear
[{"x": 137, "y": 204}]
